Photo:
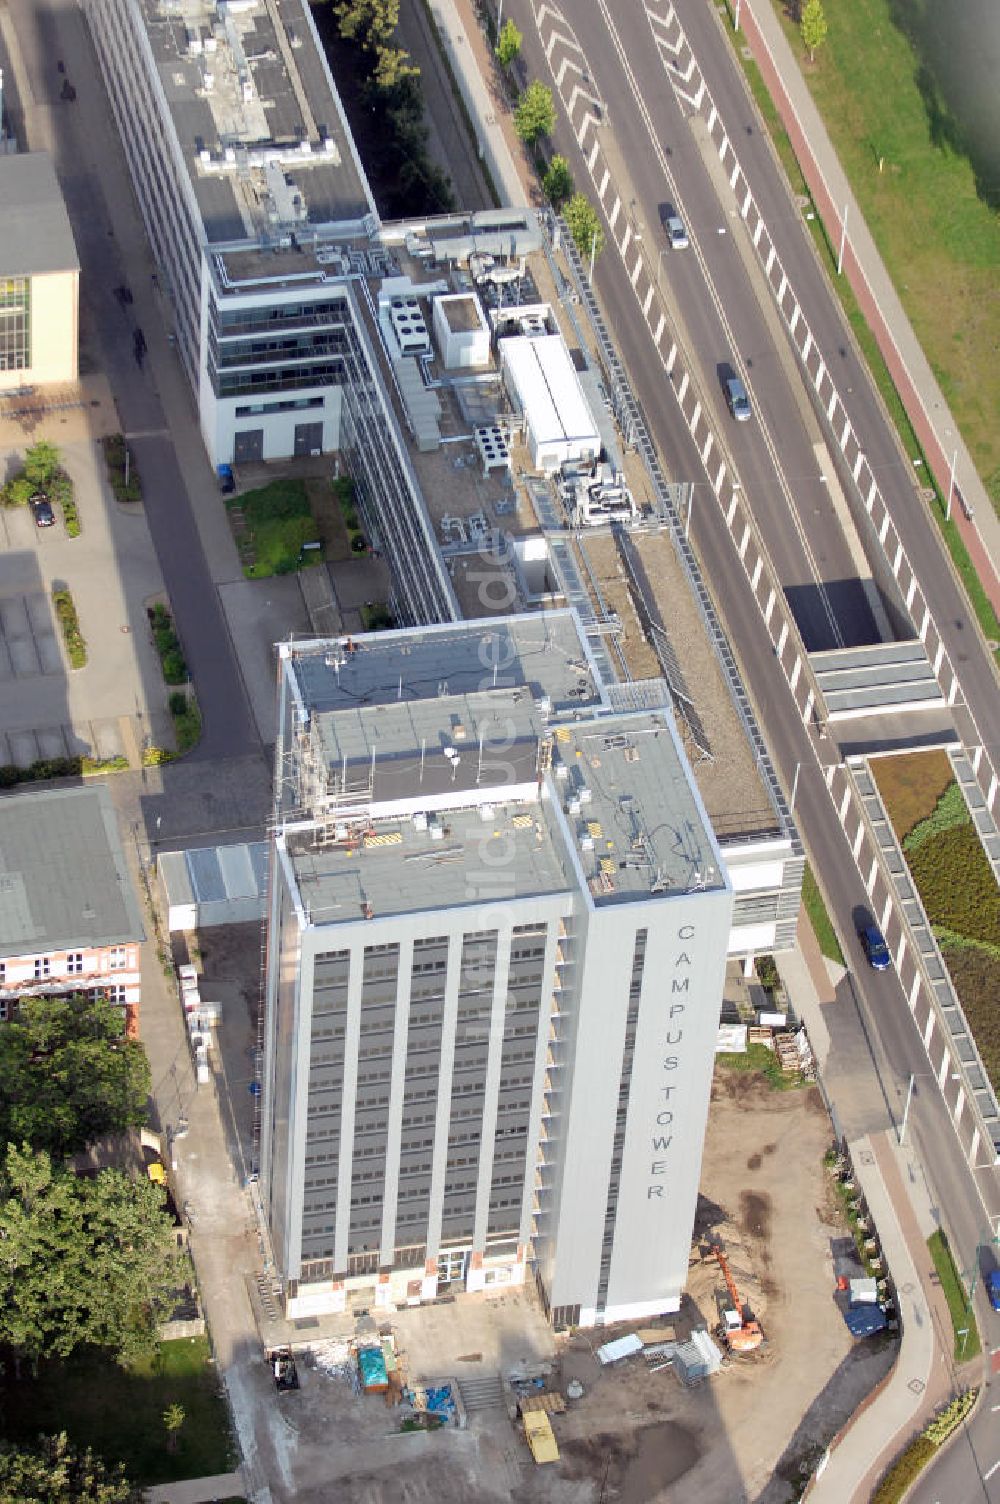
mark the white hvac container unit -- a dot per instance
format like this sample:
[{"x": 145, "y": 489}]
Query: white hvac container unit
[
  {"x": 461, "y": 331},
  {"x": 541, "y": 382},
  {"x": 409, "y": 327}
]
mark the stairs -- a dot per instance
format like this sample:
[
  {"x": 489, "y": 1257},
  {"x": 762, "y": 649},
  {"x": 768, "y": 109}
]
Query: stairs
[{"x": 481, "y": 1393}]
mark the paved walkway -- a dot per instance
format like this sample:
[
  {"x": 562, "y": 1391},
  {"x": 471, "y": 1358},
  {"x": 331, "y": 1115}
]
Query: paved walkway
[
  {"x": 198, "y": 1490},
  {"x": 925, "y": 404},
  {"x": 895, "y": 1190}
]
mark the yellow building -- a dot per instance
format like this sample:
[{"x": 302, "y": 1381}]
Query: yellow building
[{"x": 39, "y": 277}]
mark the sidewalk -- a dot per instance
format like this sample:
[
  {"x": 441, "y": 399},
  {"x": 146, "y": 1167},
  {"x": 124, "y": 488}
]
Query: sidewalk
[
  {"x": 925, "y": 404},
  {"x": 198, "y": 1490}
]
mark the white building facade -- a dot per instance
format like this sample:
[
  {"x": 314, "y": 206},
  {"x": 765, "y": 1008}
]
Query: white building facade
[{"x": 497, "y": 942}]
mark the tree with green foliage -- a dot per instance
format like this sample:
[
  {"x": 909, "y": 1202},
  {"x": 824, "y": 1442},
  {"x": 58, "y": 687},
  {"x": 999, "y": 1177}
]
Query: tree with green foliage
[
  {"x": 69, "y": 1075},
  {"x": 173, "y": 1420},
  {"x": 558, "y": 181},
  {"x": 372, "y": 25},
  {"x": 508, "y": 43},
  {"x": 84, "y": 1260},
  {"x": 55, "y": 1473},
  {"x": 813, "y": 27},
  {"x": 535, "y": 113},
  {"x": 41, "y": 464},
  {"x": 584, "y": 226}
]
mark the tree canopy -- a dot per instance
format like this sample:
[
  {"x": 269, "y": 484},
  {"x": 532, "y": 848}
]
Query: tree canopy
[
  {"x": 584, "y": 226},
  {"x": 55, "y": 1473},
  {"x": 372, "y": 25},
  {"x": 813, "y": 26},
  {"x": 535, "y": 113},
  {"x": 84, "y": 1260},
  {"x": 558, "y": 181},
  {"x": 508, "y": 43},
  {"x": 68, "y": 1075}
]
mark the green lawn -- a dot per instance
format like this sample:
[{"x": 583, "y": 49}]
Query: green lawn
[
  {"x": 757, "y": 1057},
  {"x": 271, "y": 525},
  {"x": 956, "y": 1294},
  {"x": 119, "y": 1413},
  {"x": 939, "y": 239}
]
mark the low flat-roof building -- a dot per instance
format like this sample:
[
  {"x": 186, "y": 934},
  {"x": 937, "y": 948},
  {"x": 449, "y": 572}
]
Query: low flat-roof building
[
  {"x": 39, "y": 277},
  {"x": 69, "y": 920}
]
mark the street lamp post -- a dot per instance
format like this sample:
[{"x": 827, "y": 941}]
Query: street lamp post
[
  {"x": 593, "y": 256},
  {"x": 951, "y": 486}
]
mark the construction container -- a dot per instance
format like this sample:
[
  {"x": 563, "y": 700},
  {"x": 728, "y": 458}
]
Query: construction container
[{"x": 539, "y": 1436}]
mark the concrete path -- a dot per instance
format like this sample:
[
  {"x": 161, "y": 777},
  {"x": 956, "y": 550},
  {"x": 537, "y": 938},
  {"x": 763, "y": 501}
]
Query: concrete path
[
  {"x": 198, "y": 1490},
  {"x": 922, "y": 397}
]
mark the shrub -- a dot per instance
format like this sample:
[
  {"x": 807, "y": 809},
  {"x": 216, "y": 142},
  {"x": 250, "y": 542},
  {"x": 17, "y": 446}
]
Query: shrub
[
  {"x": 41, "y": 464},
  {"x": 174, "y": 667},
  {"x": 165, "y": 639},
  {"x": 152, "y": 757},
  {"x": 358, "y": 544},
  {"x": 904, "y": 1472},
  {"x": 178, "y": 702},
  {"x": 61, "y": 492},
  {"x": 767, "y": 972},
  {"x": 76, "y": 647},
  {"x": 18, "y": 491}
]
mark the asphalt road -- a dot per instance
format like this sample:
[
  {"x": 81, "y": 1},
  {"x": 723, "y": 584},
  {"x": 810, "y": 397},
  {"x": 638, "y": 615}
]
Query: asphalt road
[
  {"x": 896, "y": 477},
  {"x": 95, "y": 183},
  {"x": 662, "y": 160},
  {"x": 969, "y": 1471}
]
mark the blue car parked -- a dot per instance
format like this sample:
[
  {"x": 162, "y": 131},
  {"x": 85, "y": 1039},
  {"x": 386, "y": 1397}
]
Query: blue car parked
[{"x": 875, "y": 948}]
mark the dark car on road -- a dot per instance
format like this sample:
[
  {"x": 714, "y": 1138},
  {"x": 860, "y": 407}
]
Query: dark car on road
[
  {"x": 41, "y": 510},
  {"x": 874, "y": 946}
]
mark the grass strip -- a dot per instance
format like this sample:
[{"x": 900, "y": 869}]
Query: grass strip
[
  {"x": 980, "y": 602},
  {"x": 819, "y": 918},
  {"x": 757, "y": 1057},
  {"x": 963, "y": 1318}
]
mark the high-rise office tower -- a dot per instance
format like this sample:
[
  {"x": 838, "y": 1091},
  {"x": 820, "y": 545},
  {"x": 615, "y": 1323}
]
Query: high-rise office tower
[{"x": 497, "y": 938}]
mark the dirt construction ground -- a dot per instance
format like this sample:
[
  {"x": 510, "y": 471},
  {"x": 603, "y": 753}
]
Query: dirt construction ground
[{"x": 635, "y": 1435}]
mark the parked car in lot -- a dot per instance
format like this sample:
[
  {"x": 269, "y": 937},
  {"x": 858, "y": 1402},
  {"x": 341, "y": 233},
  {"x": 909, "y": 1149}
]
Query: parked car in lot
[
  {"x": 41, "y": 510},
  {"x": 875, "y": 949},
  {"x": 739, "y": 402}
]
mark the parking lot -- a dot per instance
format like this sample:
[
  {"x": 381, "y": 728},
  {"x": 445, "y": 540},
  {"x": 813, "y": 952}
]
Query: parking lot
[{"x": 117, "y": 704}]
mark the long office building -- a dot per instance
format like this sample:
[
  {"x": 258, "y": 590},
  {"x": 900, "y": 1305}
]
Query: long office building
[{"x": 498, "y": 925}]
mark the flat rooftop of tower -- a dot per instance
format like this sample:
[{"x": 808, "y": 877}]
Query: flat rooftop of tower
[
  {"x": 260, "y": 126},
  {"x": 421, "y": 738},
  {"x": 616, "y": 807}
]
